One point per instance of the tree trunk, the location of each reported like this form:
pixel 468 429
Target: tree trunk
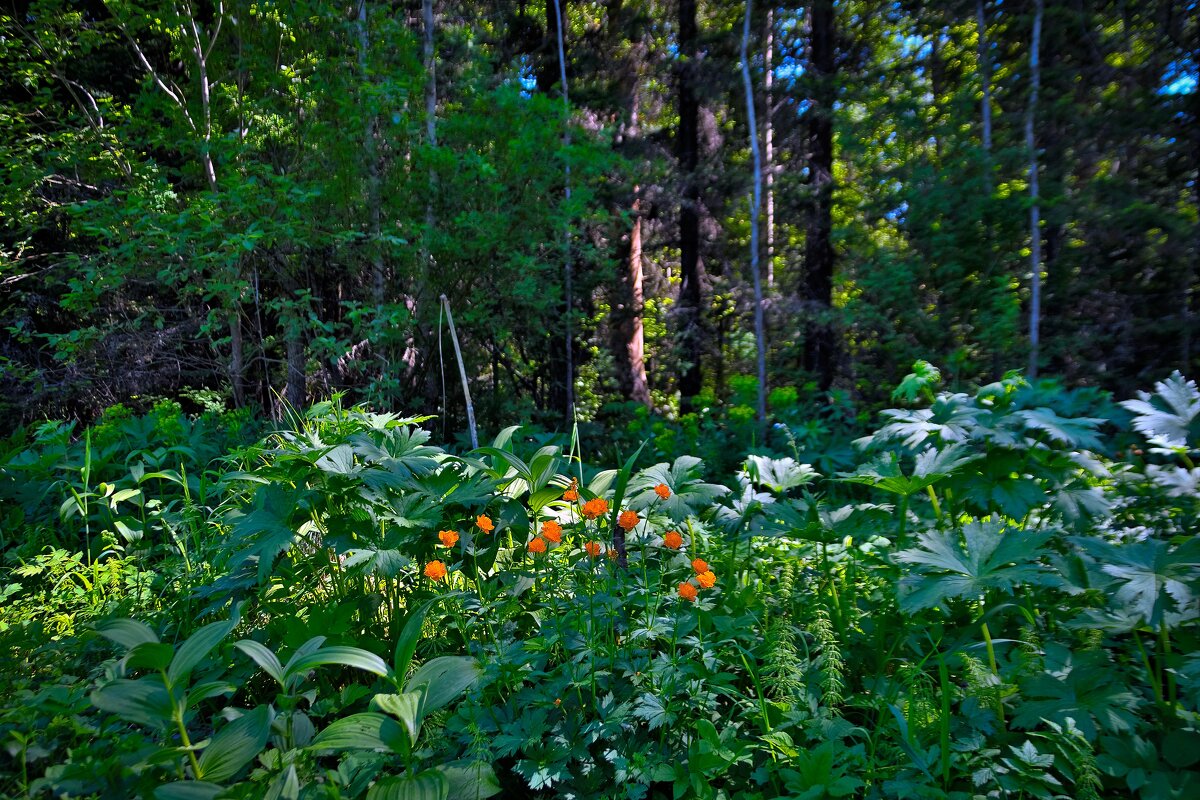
pixel 370 156
pixel 628 306
pixel 688 147
pixel 1035 234
pixel 237 363
pixel 769 140
pixel 568 289
pixel 295 390
pixel 818 247
pixel 756 204
pixel 985 77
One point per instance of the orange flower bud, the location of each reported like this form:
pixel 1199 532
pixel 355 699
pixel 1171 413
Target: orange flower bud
pixel 593 549
pixel 537 546
pixel 663 491
pixel 672 540
pixel 707 579
pixel 700 565
pixel 687 592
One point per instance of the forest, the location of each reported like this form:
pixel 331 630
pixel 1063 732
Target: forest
pixel 579 399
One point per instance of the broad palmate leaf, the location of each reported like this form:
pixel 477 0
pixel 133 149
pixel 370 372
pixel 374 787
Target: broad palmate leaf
pixel 987 556
pixel 1170 415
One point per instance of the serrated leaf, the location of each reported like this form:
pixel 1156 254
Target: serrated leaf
pixel 987 557
pixel 1171 414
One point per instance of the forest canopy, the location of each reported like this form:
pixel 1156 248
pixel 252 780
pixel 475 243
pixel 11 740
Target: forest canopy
pixel 260 203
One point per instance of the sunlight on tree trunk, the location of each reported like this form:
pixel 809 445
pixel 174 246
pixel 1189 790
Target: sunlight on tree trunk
pixel 755 205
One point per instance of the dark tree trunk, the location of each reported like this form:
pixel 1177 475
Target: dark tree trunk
pixel 688 147
pixel 820 344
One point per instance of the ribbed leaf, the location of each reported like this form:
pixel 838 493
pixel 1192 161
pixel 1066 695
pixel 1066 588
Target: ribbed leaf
pixel 427 785
pixel 188 790
pixel 196 648
pixel 445 678
pixel 127 632
pixel 262 656
pixel 346 656
pixel 236 745
pixel 368 731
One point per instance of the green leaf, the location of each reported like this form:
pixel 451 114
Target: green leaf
pixel 404 707
pixel 367 731
pixel 150 655
pixel 410 634
pixel 236 745
pixel 262 656
pixel 1073 432
pixel 779 474
pixel 922 380
pixel 127 632
pixel 444 679
pixel 987 557
pixel 196 648
pixel 1152 578
pixel 470 780
pixel 188 790
pixel 346 656
pixel 144 701
pixel 1171 415
pixel 428 785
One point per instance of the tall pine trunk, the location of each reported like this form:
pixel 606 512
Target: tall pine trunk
pixel 820 344
pixel 688 154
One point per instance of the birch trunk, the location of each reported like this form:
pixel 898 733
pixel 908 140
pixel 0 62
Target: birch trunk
pixel 1035 235
pixel 759 335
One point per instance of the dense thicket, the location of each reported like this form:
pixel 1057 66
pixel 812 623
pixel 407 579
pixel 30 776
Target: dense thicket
pixel 266 201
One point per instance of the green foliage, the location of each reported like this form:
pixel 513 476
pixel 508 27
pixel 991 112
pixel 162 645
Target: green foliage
pixel 766 639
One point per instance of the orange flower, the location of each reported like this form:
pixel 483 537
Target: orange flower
pixel 448 538
pixel 628 520
pixel 663 491
pixel 572 493
pixel 435 570
pixel 687 592
pixel 595 507
pixel 537 546
pixel 700 565
pixel 552 531
pixel 484 523
pixel 612 554
pixel 593 549
pixel 707 579
pixel 673 540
